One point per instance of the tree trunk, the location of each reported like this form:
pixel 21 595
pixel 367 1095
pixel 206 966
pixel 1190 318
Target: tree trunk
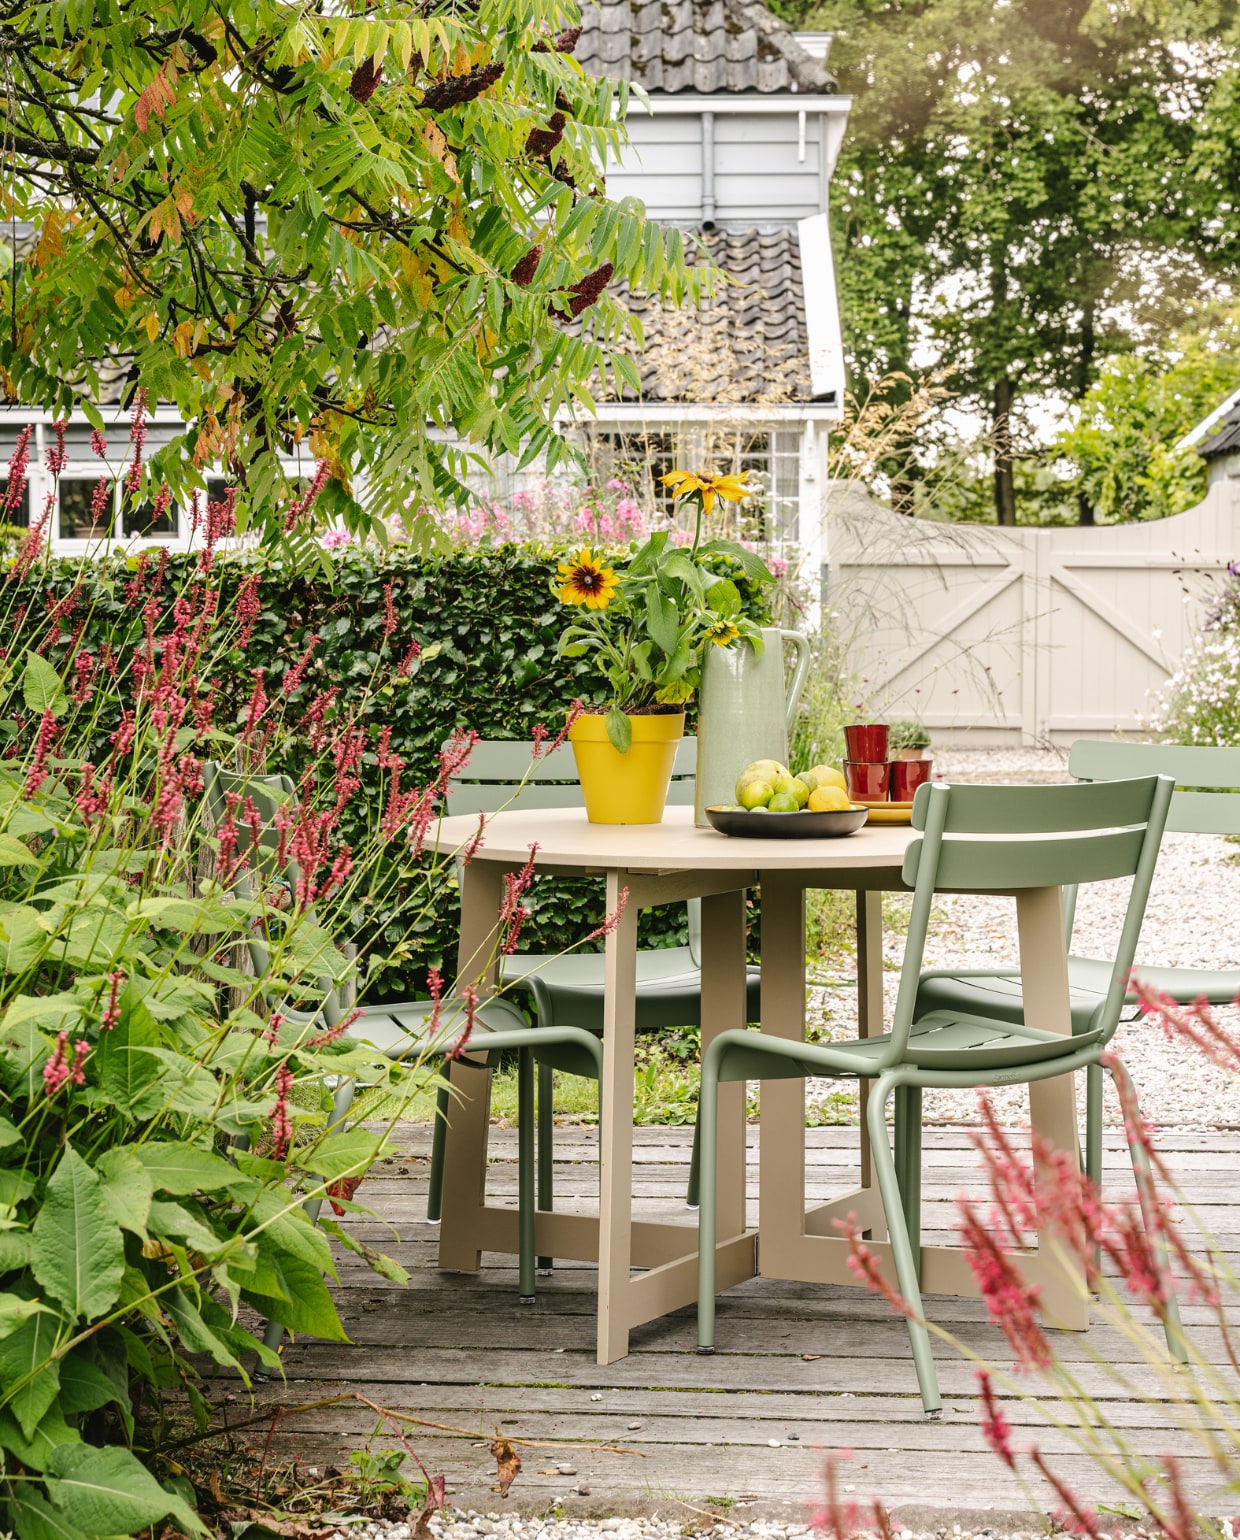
pixel 1084 379
pixel 1001 430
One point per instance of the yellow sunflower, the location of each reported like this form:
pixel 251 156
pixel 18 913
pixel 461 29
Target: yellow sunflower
pixel 723 633
pixel 585 580
pixel 730 488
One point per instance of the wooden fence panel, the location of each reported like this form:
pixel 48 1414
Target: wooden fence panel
pixel 1021 635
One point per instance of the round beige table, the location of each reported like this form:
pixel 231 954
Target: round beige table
pixel 659 864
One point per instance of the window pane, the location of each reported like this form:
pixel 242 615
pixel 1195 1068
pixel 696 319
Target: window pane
pixel 19 516
pixel 75 515
pixel 142 520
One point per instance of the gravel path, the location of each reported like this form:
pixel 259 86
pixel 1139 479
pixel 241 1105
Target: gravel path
pixel 1192 921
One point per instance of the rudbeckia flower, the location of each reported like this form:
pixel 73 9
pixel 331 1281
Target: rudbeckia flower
pixel 585 580
pixel 722 632
pixel 730 488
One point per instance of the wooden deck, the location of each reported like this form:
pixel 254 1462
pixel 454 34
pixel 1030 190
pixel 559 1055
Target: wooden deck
pixel 800 1369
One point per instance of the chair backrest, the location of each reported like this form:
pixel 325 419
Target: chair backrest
pixel 1004 838
pixel 1207 779
pixel 502 773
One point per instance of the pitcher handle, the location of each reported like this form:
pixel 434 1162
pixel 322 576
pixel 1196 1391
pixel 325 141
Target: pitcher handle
pixel 800 673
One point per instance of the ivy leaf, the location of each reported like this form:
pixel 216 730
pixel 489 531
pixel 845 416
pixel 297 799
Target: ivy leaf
pixel 79 1255
pixel 42 689
pixel 110 1492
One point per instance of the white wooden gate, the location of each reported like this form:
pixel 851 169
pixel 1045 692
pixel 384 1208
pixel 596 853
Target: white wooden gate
pixel 1021 635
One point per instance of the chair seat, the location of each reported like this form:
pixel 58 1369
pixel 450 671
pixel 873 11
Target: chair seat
pixel 941 1041
pixel 998 994
pixel 403 1030
pixel 669 987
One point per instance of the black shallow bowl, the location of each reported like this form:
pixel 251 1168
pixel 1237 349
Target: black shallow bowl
pixel 788 826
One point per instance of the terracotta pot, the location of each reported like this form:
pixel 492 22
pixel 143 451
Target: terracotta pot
pixel 911 754
pixel 906 776
pixel 867 743
pixel 629 787
pixel 867 781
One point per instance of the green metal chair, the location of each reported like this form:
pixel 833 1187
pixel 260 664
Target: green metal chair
pixel 973 839
pixel 1215 810
pixel 570 989
pixel 405 1031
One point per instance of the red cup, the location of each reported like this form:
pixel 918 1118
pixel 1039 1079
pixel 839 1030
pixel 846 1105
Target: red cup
pixel 867 781
pixel 867 744
pixel 906 776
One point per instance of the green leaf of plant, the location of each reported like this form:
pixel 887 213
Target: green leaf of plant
pixel 14 853
pixel 37 1450
pixel 109 1492
pixel 14 1310
pixel 9 1134
pixel 124 1072
pixel 183 1168
pixel 661 618
pixel 127 1188
pixel 347 1154
pixel 79 1254
pixel 29 1376
pixel 35 1519
pixel 84 1387
pixel 307 1305
pixel 22 938
pixel 725 599
pixel 619 729
pixel 42 689
pixel 193 1331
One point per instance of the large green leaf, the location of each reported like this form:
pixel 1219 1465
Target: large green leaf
pixel 184 1168
pixel 35 1519
pixel 124 1072
pixel 305 1304
pixel 29 1379
pixel 37 1450
pixel 196 1336
pixel 84 1387
pixel 662 619
pixel 79 1254
pixel 285 1226
pixel 127 1188
pixel 109 1492
pixel 14 1310
pixel 347 1154
pixel 42 689
pixel 22 938
pixel 14 853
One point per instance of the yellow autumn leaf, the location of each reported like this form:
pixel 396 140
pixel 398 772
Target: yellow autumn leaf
pixel 123 296
pixel 152 326
pixel 183 339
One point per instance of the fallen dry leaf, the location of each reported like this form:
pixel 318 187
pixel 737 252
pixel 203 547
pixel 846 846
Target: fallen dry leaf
pixel 507 1464
pixel 809 1358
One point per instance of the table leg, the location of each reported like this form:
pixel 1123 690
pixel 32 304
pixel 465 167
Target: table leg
pixel 723 1009
pixel 781 1179
pixel 869 1008
pixel 1052 1103
pixel 465 1150
pixel 616 1129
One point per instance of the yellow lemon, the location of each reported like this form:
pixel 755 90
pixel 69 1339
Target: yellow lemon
pixel 828 799
pixel 754 794
pixel 828 775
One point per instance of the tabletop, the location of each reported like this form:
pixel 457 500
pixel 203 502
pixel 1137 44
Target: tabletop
pixel 566 838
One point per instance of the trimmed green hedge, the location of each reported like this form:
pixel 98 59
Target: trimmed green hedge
pixel 496 622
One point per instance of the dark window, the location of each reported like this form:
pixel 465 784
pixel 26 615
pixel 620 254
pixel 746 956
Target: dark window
pixel 142 520
pixel 76 522
pixel 19 516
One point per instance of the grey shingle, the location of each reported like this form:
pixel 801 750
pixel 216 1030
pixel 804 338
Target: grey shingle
pixel 696 45
pixel 1226 441
pixel 747 344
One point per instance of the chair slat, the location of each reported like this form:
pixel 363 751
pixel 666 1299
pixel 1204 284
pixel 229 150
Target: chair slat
pixel 1188 764
pixel 1003 864
pixel 464 798
pixel 1042 809
pixel 1205 812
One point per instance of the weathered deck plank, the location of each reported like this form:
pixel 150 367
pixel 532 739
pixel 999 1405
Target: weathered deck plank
pixel 800 1368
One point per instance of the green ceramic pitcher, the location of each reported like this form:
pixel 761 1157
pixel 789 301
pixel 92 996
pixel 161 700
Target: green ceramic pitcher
pixel 745 712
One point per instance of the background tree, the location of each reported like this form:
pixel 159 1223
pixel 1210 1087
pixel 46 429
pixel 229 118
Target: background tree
pixel 1027 190
pixel 358 230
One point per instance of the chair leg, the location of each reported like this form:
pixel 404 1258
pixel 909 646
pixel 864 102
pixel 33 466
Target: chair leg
pixel 546 1150
pixel 525 1175
pixel 908 1162
pixel 708 1140
pixel 1142 1171
pixel 1093 1124
pixel 695 1165
pixel 901 1250
pixel 439 1143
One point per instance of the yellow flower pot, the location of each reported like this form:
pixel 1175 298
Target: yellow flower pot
pixel 629 787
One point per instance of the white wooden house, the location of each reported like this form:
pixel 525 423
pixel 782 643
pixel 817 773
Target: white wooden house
pixel 1216 439
pixel 733 137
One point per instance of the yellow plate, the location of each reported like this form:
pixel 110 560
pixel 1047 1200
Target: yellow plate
pixel 890 812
